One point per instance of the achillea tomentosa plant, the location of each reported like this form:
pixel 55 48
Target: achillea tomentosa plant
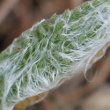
pixel 52 50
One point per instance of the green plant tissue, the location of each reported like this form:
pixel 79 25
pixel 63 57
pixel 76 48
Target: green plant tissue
pixel 52 50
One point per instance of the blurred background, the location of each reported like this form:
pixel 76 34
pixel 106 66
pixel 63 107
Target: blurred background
pixel 76 94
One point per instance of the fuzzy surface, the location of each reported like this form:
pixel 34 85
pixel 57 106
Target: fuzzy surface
pixel 54 49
